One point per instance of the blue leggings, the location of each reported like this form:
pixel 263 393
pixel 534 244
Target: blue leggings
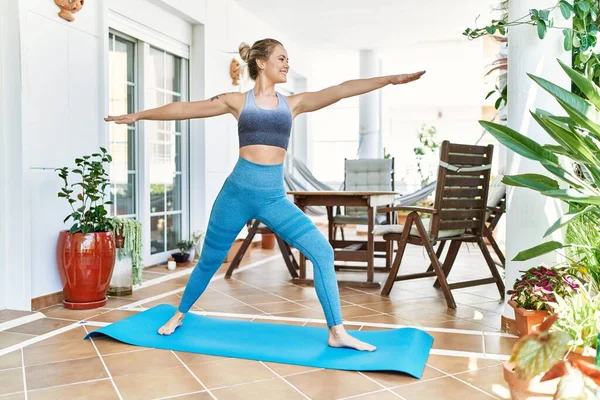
pixel 255 191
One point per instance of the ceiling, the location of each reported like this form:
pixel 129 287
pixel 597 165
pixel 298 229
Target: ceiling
pixel 377 24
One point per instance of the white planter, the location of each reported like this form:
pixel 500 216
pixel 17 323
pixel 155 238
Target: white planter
pixel 122 277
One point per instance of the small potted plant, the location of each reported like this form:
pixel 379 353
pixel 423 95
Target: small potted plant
pixel 579 317
pixel 538 369
pixel 184 247
pixel 128 266
pixel 85 253
pixel 533 291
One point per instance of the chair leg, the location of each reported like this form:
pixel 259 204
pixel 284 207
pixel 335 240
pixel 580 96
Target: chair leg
pixel 335 231
pixel 342 232
pixel 387 288
pixel 438 254
pixel 389 251
pixel 449 261
pixel 489 235
pixel 492 266
pixel 238 256
pixel 287 256
pixel 436 264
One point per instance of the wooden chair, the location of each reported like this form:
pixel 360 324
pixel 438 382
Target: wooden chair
pixel 458 215
pixel 254 227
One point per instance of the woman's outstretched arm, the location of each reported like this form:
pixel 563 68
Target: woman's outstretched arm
pixel 217 105
pixel 312 101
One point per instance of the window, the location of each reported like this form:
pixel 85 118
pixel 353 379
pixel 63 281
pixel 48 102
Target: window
pixel 149 168
pixel 122 95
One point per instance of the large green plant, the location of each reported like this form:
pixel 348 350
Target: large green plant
pixel 581 38
pixel 87 197
pixel 577 136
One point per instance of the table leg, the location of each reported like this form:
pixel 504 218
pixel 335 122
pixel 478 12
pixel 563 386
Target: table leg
pixel 370 244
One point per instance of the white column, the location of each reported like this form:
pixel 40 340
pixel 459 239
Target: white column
pixel 369 107
pixel 529 214
pixel 15 217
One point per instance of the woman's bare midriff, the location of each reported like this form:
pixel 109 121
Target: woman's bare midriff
pixel 263 154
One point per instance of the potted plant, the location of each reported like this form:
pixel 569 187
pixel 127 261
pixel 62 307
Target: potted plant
pixel 128 266
pixel 86 252
pixel 184 247
pixel 534 290
pixel 538 369
pixel 579 317
pixel 198 239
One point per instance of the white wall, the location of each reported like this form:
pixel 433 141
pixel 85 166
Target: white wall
pixel 54 97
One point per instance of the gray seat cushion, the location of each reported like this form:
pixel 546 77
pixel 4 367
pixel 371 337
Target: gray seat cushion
pixel 383 229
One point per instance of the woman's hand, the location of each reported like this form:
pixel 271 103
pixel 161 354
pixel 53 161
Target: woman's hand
pixel 123 119
pixel 405 78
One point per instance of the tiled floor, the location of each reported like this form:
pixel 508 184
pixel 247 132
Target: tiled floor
pixel 47 358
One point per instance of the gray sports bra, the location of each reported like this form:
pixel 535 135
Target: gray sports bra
pixel 265 126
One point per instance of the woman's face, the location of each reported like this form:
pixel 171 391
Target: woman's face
pixel 277 66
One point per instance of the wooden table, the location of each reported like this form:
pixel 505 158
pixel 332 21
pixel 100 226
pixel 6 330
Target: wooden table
pixel 347 250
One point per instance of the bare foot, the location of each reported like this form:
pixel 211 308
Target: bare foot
pixel 338 337
pixel 175 322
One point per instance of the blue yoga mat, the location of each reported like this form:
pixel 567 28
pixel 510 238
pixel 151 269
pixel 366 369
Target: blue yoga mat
pixel 403 350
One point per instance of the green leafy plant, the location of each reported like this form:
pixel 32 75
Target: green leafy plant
pixel 185 245
pixel 583 232
pixel 538 287
pixel 428 144
pixel 577 136
pixel 581 38
pixel 544 352
pixel 579 316
pixel 88 201
pixel 131 230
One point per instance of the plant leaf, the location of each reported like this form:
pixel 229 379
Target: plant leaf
pixel 572 195
pixel 539 354
pixel 532 181
pixel 539 250
pixel 591 91
pixel 566 218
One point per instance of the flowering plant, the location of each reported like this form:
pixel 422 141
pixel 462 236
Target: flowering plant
pixel 538 286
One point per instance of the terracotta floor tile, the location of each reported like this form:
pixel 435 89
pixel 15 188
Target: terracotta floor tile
pixel 499 344
pixel 15 396
pixel 332 384
pixel 8 339
pixel 40 326
pixel 115 302
pixel 11 360
pixel 259 298
pixel 106 346
pixel 61 351
pixel 76 334
pixel 356 312
pixel 423 317
pixel 461 324
pixel 274 308
pixel 379 395
pixel 63 373
pixel 73 315
pixel 100 390
pixel 8 315
pixel 163 383
pixel 386 319
pixel 114 316
pixel 204 395
pixel 361 299
pixel 240 309
pixel 230 372
pixel 489 379
pixel 289 369
pixel 315 314
pixel 393 379
pixel 457 341
pixel 455 365
pixel 196 358
pixel 272 389
pixel 173 300
pixel 140 362
pixel 11 381
pixel 443 388
pixel 274 321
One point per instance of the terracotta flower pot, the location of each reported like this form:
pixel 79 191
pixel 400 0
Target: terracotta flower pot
pixel 86 265
pixel 521 389
pixel 268 241
pixel 527 320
